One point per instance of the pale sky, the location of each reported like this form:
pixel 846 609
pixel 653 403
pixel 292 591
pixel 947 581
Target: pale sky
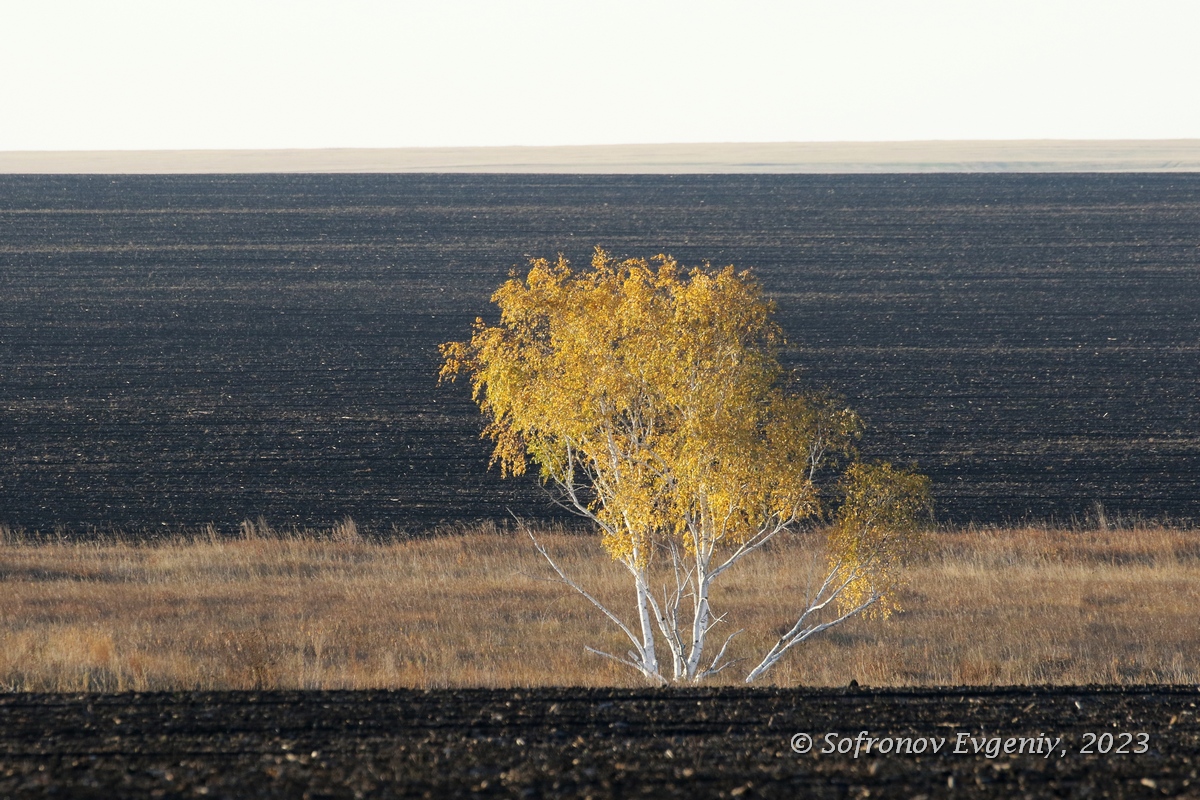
pixel 175 74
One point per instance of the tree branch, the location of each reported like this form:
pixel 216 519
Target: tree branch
pixel 565 579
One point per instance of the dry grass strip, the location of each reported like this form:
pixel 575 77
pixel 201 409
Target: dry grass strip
pixel 474 607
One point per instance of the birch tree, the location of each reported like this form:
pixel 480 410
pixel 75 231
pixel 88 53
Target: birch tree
pixel 651 400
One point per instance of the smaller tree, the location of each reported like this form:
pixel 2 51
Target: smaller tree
pixel 652 399
pixel 872 536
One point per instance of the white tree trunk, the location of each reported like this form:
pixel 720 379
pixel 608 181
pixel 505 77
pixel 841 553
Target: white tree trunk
pixel 701 614
pixel 648 654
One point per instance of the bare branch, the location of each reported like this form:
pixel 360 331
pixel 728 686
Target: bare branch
pixel 781 647
pixel 716 665
pixel 565 579
pixel 630 663
pixel 749 546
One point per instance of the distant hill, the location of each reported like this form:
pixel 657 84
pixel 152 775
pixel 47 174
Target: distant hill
pixel 1167 155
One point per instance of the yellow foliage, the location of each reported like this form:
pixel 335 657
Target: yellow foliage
pixel 651 395
pixel 875 531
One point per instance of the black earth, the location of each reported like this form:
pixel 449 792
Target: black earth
pixel 606 743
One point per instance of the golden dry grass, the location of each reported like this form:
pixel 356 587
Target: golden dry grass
pixel 475 608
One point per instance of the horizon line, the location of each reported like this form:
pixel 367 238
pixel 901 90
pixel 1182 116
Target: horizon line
pixel 825 157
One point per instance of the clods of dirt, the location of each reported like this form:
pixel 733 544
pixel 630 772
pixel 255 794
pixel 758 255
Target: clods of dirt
pixel 861 742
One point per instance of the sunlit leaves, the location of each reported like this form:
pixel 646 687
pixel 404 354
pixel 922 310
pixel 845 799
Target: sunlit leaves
pixel 651 395
pixel 876 530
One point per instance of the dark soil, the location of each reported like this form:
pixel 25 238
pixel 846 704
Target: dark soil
pixel 179 350
pixel 598 743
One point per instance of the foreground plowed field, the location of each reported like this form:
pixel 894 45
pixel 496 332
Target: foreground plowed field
pixel 179 350
pixel 604 743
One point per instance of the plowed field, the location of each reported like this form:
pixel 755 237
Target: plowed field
pixel 179 350
pixel 1066 742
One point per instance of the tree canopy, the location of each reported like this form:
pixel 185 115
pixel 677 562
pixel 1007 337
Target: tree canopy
pixel 652 398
